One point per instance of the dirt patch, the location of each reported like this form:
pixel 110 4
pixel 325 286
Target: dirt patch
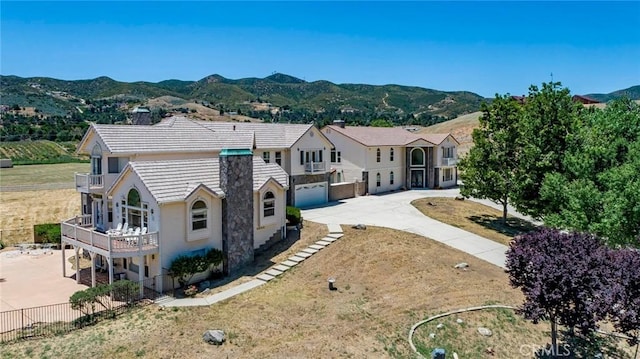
pixel 473 217
pixel 387 280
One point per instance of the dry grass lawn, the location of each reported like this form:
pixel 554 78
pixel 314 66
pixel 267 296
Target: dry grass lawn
pixel 387 280
pixel 19 211
pixel 41 174
pixel 473 217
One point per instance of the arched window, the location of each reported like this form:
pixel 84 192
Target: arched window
pixel 269 204
pixel 378 180
pixel 417 157
pixel 96 160
pixel 391 154
pixel 198 215
pixel 133 198
pixel 378 155
pixel 391 177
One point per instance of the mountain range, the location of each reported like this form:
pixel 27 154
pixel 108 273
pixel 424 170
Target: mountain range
pixel 254 97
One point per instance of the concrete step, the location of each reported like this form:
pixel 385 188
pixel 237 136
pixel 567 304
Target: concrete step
pixel 297 259
pixel 273 272
pixel 265 277
pixel 282 268
pixel 323 243
pixel 289 263
pixel 335 235
pixel 310 250
pixel 316 246
pixel 334 228
pixel 303 254
pixel 329 239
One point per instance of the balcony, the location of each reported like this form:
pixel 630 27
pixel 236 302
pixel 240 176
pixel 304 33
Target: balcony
pixel 314 167
pixel 88 183
pixel 79 231
pixel 448 162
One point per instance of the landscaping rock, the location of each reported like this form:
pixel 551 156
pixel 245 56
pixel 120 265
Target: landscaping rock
pixel 430 203
pixel 359 226
pixel 459 198
pixel 485 331
pixel 432 335
pixel 459 321
pixel 461 265
pixel 440 326
pixel 214 337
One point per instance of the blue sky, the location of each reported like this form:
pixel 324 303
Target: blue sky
pixel 484 47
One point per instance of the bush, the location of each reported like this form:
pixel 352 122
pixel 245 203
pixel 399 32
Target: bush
pixel 293 216
pixel 47 233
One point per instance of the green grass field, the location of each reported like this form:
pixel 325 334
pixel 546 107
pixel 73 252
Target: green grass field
pixel 41 174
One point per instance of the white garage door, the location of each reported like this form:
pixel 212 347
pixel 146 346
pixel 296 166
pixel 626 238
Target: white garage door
pixel 311 194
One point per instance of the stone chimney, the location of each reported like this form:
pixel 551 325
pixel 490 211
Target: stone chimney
pixel 141 116
pixel 236 180
pixel 339 123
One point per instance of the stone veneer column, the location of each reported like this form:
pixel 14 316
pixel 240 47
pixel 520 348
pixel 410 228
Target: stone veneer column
pixel 236 180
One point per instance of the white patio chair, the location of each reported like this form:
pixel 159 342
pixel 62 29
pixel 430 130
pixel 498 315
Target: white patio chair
pixel 136 231
pixel 125 227
pixel 144 230
pixel 115 230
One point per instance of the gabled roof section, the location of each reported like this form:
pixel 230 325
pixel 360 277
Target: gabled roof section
pixel 174 135
pixel 438 138
pixel 175 180
pixel 263 172
pixel 378 136
pixel 267 135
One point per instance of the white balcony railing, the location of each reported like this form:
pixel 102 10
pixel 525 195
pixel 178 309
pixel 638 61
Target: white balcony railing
pixel 79 231
pixel 314 167
pixel 86 182
pixel 448 161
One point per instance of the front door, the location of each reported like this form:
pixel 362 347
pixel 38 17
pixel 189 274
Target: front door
pixel 417 178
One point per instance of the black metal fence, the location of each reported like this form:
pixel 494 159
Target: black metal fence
pixel 61 318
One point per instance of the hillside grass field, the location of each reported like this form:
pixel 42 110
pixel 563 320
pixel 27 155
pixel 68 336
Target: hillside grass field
pixel 460 127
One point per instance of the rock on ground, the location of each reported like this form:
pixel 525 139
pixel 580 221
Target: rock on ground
pixel 213 337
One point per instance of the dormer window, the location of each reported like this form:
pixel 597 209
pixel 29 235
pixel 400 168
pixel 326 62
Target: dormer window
pixel 198 215
pixel 269 204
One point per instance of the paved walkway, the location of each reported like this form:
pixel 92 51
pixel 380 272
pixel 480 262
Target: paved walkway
pixel 394 210
pixel 335 232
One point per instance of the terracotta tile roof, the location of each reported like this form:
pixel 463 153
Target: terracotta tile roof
pixel 386 136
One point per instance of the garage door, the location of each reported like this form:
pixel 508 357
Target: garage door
pixel 311 194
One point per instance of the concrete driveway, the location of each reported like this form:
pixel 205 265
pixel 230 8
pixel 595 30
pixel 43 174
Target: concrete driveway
pixel 394 210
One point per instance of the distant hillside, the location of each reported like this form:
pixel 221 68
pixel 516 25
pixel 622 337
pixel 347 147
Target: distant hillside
pixel 632 92
pixel 460 127
pixel 277 97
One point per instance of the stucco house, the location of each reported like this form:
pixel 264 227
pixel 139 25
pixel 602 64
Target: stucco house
pixel 391 158
pixel 187 188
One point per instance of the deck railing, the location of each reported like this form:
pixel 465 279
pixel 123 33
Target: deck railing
pixel 86 182
pixel 80 229
pixel 448 162
pixel 314 167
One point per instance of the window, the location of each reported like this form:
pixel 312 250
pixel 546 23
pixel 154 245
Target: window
pixel 391 177
pixel 301 158
pixel 447 152
pixel 448 174
pixel 279 158
pixel 378 155
pixel 266 156
pixel 113 165
pixel 417 157
pixel 96 160
pixel 198 216
pixel 378 180
pixel 110 211
pixel 269 204
pixel 391 155
pixel 336 156
pixel 133 198
pixel 339 177
pixel 314 156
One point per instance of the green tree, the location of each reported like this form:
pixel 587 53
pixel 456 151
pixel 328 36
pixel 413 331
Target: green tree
pixel 184 267
pixel 549 119
pixel 490 168
pixel 381 123
pixel 599 189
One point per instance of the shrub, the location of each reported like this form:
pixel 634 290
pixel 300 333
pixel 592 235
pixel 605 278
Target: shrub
pixel 191 291
pixel 293 215
pixel 185 267
pixel 47 233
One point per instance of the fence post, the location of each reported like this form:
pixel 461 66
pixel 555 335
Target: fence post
pixel 22 322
